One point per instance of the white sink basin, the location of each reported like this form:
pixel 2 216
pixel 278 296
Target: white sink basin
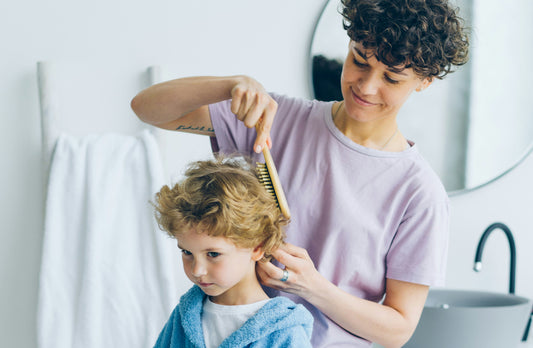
pixel 471 319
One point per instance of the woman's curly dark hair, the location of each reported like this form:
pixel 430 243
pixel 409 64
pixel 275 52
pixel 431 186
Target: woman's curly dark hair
pixel 426 35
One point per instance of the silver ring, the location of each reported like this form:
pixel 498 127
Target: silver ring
pixel 285 275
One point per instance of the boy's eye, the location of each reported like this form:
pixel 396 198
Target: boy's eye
pixel 186 252
pixel 213 254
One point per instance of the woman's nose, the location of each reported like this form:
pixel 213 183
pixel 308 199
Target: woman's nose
pixel 368 83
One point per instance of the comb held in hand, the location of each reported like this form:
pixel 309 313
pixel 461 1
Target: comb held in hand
pixel 269 178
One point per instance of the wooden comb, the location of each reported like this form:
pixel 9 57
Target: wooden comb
pixel 268 176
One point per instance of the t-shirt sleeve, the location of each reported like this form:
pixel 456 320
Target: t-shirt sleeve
pixel 231 136
pixel 419 250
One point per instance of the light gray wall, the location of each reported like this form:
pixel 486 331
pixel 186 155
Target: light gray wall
pixel 101 50
pixel 500 120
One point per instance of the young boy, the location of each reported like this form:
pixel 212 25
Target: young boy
pixel 224 222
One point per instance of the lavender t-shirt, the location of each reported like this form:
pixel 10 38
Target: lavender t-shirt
pixel 362 214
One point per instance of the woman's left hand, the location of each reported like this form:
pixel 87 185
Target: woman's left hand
pixel 303 277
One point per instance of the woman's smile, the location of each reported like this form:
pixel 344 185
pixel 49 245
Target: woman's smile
pixel 360 100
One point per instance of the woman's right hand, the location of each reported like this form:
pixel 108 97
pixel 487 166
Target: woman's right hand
pixel 255 108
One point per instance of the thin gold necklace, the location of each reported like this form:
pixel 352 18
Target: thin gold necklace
pixel 386 143
pixel 337 111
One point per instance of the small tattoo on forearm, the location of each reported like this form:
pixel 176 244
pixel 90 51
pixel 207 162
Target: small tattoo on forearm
pixel 195 129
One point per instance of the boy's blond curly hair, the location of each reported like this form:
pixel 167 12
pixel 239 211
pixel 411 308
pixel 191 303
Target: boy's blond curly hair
pixel 222 198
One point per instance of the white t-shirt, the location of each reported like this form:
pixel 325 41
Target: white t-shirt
pixel 220 321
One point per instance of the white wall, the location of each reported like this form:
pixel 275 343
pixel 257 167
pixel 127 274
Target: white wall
pixel 101 50
pixel 501 58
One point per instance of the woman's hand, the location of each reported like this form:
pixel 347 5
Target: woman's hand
pixel 390 324
pixel 255 108
pixel 303 277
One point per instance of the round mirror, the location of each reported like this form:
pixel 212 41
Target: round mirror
pixel 474 125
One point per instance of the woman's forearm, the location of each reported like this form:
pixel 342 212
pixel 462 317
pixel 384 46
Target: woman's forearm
pixel 168 101
pixel 390 324
pixel 381 323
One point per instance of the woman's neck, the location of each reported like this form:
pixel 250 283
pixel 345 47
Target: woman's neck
pixel 380 134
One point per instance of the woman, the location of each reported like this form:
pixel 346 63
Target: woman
pixel 369 226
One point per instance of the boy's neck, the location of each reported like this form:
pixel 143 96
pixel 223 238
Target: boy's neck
pixel 241 294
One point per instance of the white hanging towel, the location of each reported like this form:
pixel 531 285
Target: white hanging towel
pixel 108 274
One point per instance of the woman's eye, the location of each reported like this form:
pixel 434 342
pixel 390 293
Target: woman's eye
pixel 359 64
pixel 213 254
pixel 389 80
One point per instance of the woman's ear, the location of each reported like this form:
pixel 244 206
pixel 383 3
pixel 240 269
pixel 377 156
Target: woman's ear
pixel 424 84
pixel 258 253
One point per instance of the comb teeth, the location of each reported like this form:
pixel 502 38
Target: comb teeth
pixel 264 178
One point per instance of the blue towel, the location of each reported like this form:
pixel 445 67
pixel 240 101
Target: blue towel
pixel 279 323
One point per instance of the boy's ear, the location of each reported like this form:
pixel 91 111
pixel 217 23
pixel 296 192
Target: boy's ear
pixel 258 253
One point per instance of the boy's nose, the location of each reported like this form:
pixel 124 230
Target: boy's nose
pixel 198 269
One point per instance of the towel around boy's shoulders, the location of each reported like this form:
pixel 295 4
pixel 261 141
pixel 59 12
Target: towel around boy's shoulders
pixel 279 323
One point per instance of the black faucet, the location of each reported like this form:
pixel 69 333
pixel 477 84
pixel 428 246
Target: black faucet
pixel 481 244
pixel 512 272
